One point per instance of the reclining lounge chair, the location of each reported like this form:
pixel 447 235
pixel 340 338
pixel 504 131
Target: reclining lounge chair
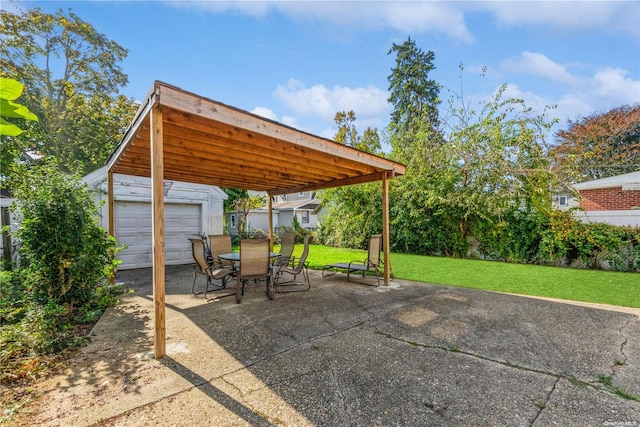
pixel 372 263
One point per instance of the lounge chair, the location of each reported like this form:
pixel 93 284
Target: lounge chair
pixel 287 272
pixel 373 262
pixel 254 265
pixel 202 267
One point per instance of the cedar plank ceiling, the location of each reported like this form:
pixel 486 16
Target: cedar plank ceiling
pixel 207 142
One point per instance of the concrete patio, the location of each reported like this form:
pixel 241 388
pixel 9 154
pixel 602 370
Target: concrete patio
pixel 348 354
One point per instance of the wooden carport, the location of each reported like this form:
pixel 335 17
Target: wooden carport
pixel 178 135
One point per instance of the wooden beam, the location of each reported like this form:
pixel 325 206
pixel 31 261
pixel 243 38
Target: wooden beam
pixel 329 184
pixel 140 118
pixel 157 203
pixel 385 229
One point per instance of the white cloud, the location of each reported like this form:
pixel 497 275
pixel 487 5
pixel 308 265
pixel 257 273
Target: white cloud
pixel 605 89
pixel 448 18
pixel 605 16
pixel 540 65
pixel 613 84
pixel 410 17
pixel 367 102
pixel 575 95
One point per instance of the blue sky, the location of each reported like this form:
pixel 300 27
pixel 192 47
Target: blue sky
pixel 299 62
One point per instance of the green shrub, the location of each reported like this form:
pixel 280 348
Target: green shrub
pixel 516 238
pixel 64 258
pixel 568 239
pixel 30 332
pixel 65 251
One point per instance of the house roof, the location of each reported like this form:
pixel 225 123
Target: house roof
pixel 294 204
pixel 628 179
pixel 207 142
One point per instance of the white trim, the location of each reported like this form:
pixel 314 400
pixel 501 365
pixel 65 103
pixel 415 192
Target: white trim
pixel 610 182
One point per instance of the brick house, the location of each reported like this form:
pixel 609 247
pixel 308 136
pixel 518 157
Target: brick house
pixel 615 200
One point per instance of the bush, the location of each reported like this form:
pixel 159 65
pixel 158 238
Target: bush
pixel 568 240
pixel 516 238
pixel 65 251
pixel 46 303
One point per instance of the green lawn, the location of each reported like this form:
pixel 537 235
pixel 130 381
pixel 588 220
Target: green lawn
pixel 604 287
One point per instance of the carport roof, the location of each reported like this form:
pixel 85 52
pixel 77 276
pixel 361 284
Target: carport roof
pixel 207 142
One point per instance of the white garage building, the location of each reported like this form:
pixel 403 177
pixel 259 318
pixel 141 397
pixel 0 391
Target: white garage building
pixel 190 209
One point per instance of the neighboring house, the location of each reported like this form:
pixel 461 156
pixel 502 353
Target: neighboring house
pixel 189 209
pixel 614 200
pixel 564 200
pixel 302 205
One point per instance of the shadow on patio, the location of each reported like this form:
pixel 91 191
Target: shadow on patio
pixel 350 354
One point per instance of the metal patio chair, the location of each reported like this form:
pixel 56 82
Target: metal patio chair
pixel 288 242
pixel 221 244
pixel 202 267
pixel 254 265
pixel 301 268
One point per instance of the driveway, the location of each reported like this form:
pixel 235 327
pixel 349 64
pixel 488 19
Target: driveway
pixel 349 354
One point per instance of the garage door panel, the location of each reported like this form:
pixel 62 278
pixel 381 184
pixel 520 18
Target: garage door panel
pixel 134 228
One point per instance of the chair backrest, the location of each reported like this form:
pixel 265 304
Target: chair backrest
pixel 254 258
pixel 287 244
pixel 220 244
pixel 375 247
pixel 199 253
pixel 305 253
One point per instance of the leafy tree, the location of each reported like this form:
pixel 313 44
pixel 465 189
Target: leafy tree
pixel 494 162
pixel 353 212
pixel 71 75
pixel 10 90
pixel 243 206
pixel 348 135
pixel 232 195
pixel 413 95
pixel 601 145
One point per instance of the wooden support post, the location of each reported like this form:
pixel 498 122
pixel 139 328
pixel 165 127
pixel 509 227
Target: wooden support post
pixel 385 229
pixel 111 209
pixel 270 204
pixel 157 202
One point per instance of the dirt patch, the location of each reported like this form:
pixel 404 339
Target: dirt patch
pixel 113 362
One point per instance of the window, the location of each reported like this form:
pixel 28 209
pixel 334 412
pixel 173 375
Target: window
pixel 301 194
pixel 562 201
pixel 284 197
pixel 232 220
pixel 305 217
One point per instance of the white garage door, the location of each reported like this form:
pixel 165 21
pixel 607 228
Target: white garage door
pixel 133 228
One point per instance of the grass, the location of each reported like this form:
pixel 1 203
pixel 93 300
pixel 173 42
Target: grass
pixel 603 287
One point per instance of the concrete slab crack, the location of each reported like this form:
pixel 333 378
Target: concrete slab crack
pixel 623 359
pixel 596 384
pixel 336 379
pixel 542 405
